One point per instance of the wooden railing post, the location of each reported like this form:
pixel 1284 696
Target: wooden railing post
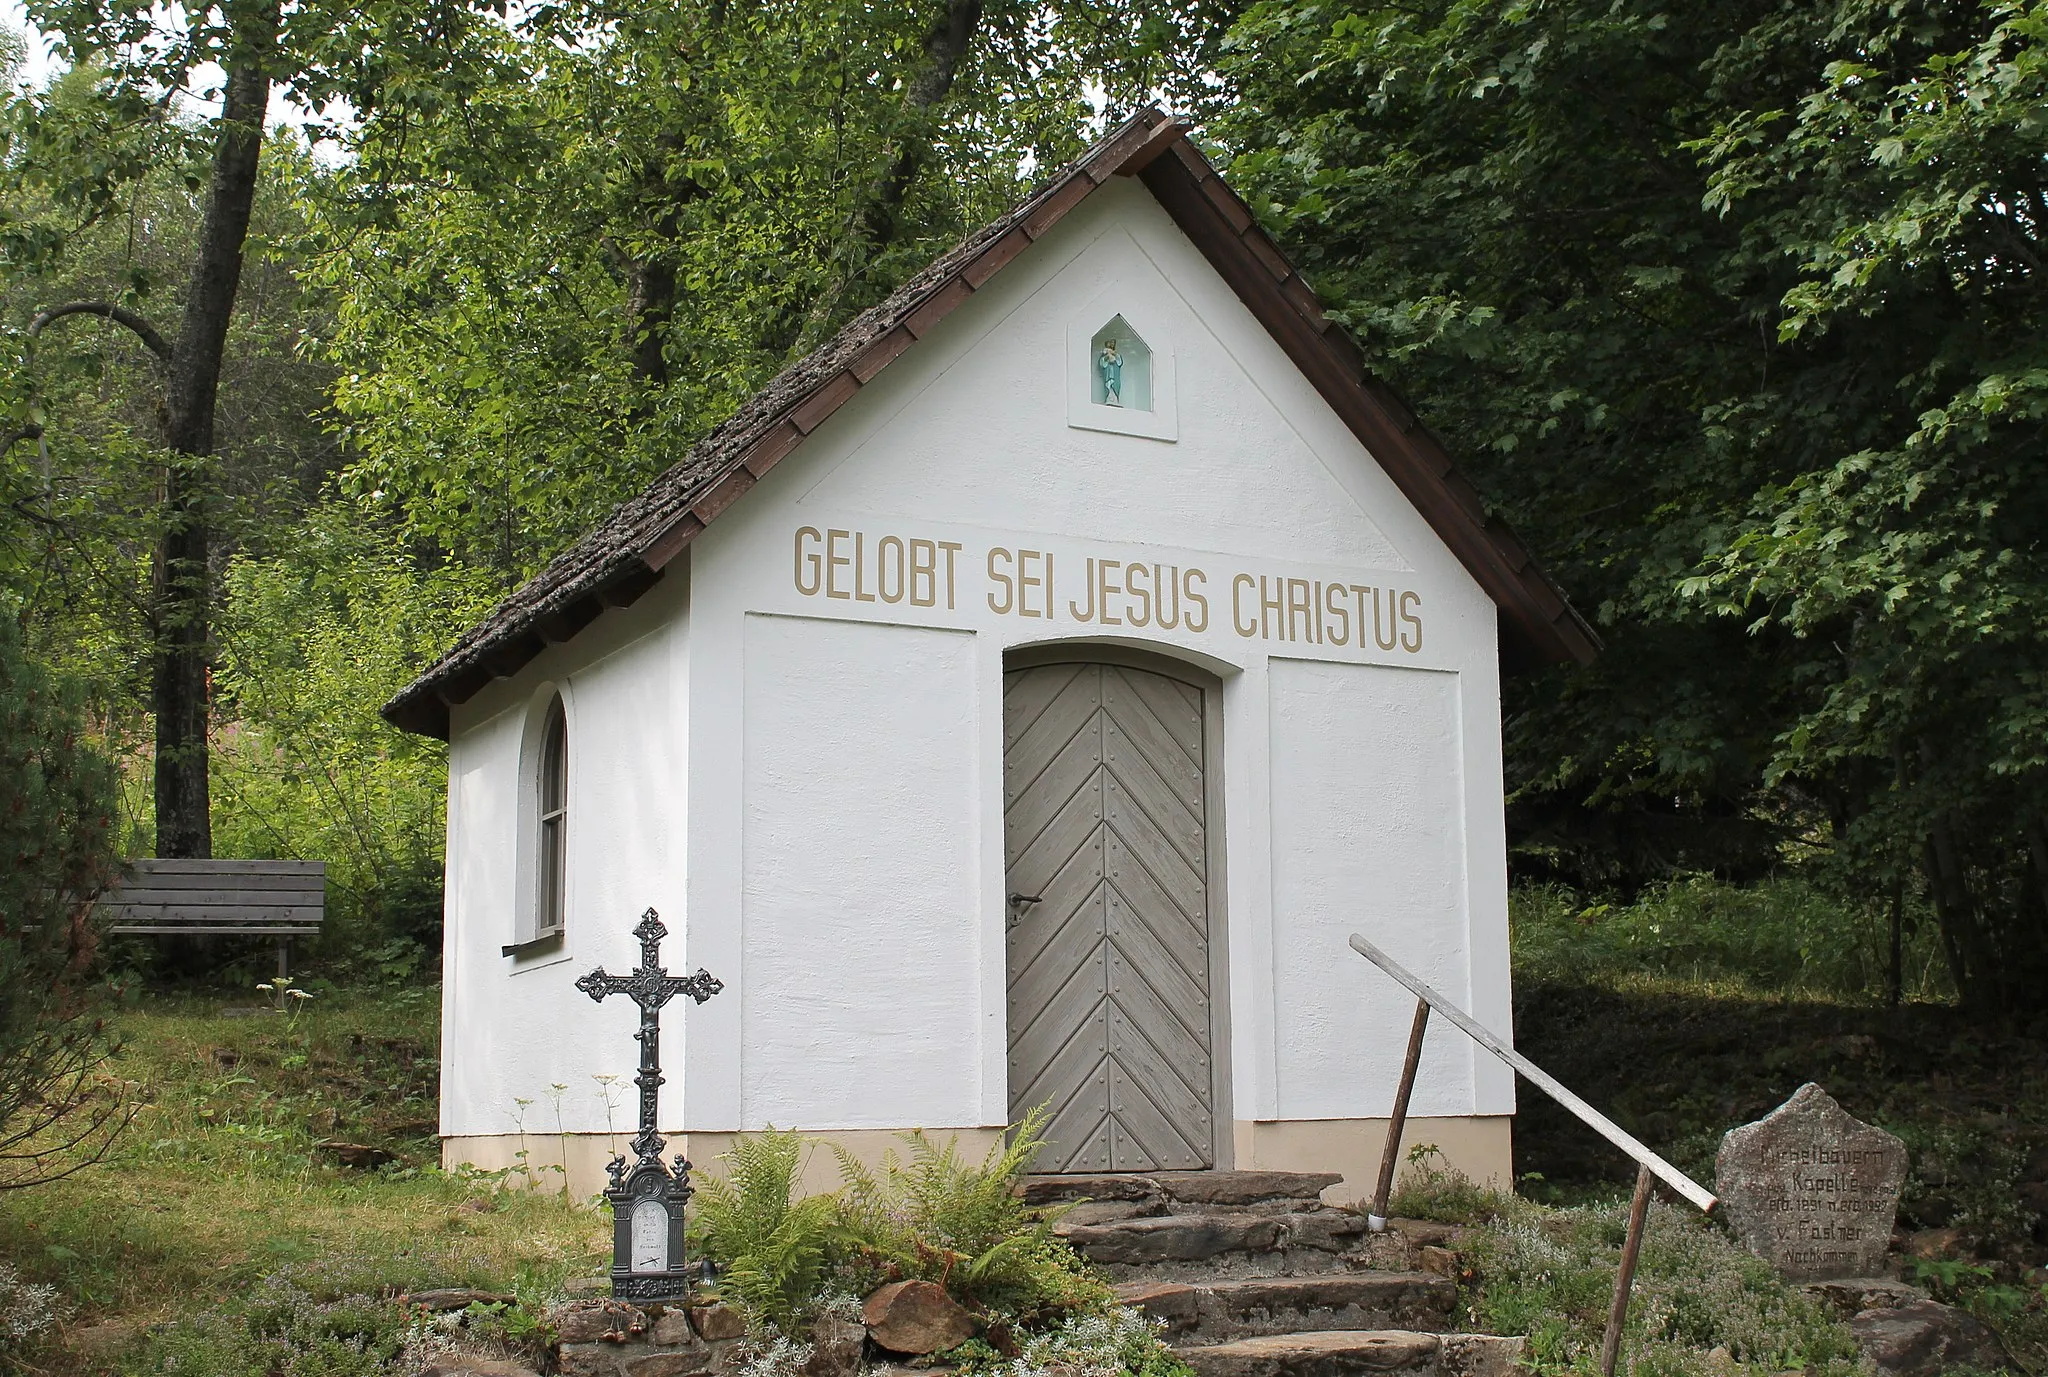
pixel 1390 1157
pixel 1671 1176
pixel 1625 1276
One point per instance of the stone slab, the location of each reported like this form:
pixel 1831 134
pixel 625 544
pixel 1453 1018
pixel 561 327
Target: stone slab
pixel 1481 1355
pixel 1245 1187
pixel 1175 1238
pixel 1812 1190
pixel 1926 1339
pixel 475 1366
pixel 1848 1296
pixel 1334 1353
pixel 1220 1311
pixel 1219 1188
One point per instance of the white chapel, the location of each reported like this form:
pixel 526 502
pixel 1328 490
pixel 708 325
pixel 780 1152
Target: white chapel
pixel 1015 704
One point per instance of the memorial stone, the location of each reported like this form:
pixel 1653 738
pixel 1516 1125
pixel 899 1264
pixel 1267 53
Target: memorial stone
pixel 1812 1190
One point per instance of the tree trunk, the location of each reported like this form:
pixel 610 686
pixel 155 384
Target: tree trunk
pixel 650 306
pixel 1955 910
pixel 180 576
pixel 1895 963
pixel 878 219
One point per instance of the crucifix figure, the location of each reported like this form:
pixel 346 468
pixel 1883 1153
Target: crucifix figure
pixel 647 1202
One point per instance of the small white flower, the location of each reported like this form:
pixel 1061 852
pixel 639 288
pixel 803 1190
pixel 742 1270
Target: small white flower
pixel 300 994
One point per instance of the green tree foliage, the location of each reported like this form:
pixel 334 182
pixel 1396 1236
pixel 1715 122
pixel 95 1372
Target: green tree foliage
pixel 552 282
pixel 79 503
pixel 56 855
pixel 313 638
pixel 1734 310
pixel 137 65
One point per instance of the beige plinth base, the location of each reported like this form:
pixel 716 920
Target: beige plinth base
pixel 1481 1147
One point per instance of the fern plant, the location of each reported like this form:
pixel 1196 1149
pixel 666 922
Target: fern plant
pixel 937 1217
pixel 772 1245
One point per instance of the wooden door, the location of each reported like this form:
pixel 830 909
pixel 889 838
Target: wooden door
pixel 1106 838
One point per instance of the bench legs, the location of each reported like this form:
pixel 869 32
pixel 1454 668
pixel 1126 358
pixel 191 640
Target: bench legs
pixel 284 948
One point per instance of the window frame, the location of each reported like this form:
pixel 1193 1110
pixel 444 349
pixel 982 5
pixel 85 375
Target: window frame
pixel 549 918
pixel 540 900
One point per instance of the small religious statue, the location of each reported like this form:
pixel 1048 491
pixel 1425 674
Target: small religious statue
pixel 1110 364
pixel 647 1202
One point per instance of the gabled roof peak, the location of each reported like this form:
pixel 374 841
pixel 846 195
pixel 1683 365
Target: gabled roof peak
pixel 624 555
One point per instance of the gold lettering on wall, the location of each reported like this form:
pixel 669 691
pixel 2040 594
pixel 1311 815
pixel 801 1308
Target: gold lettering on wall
pixel 809 568
pixel 861 566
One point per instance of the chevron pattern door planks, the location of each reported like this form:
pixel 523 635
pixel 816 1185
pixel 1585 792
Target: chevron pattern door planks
pixel 1105 824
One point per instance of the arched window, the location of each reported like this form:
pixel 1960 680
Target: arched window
pixel 551 849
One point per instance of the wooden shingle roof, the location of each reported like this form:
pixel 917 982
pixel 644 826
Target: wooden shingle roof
pixel 624 555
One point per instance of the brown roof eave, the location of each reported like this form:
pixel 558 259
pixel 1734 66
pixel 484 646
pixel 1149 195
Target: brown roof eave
pixel 1222 227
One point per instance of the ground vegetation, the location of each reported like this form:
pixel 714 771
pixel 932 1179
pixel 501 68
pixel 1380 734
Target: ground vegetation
pixel 926 1214
pixel 1700 1304
pixel 1681 1020
pixel 219 1236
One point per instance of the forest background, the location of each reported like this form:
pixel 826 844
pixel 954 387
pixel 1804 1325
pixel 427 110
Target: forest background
pixel 1734 312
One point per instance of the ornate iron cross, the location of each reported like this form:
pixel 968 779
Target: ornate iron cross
pixel 650 987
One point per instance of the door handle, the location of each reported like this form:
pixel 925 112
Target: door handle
pixel 1020 902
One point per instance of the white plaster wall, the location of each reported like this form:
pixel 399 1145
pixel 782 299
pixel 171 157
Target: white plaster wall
pixel 1368 836
pixel 834 826
pixel 964 444
pixel 858 802
pixel 513 1030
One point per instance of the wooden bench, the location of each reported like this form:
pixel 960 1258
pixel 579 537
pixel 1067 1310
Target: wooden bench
pixel 280 899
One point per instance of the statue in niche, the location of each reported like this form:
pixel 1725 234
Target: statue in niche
pixel 1110 364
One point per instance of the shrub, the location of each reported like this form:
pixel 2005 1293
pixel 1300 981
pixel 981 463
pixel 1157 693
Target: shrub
pixel 1550 1275
pixel 57 853
pixel 280 1330
pixel 313 640
pixel 1432 1188
pixel 927 1215
pixel 27 1309
pixel 1104 1342
pixel 1781 936
pixel 935 1217
pixel 772 1245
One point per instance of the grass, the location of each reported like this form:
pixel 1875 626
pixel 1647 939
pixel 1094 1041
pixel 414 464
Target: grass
pixel 218 1229
pixel 1701 1306
pixel 219 1184
pixel 1701 1007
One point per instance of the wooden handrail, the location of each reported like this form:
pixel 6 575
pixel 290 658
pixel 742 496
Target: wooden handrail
pixel 1648 1163
pixel 1614 1133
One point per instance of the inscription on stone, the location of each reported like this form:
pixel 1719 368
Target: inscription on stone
pixel 1811 1190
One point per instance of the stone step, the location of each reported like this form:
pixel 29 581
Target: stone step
pixel 1216 1189
pixel 1198 1246
pixel 1356 1352
pixel 1218 1311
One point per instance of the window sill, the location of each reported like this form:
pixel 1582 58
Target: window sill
pixel 538 946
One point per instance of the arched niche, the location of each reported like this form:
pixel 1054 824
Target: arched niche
pixel 1120 367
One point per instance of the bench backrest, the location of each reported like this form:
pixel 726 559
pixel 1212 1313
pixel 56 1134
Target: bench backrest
pixel 273 898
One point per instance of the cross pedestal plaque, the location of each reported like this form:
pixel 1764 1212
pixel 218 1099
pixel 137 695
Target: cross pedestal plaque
pixel 647 1201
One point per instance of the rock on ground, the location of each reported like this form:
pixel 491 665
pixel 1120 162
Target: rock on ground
pixel 1925 1339
pixel 916 1317
pixel 836 1347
